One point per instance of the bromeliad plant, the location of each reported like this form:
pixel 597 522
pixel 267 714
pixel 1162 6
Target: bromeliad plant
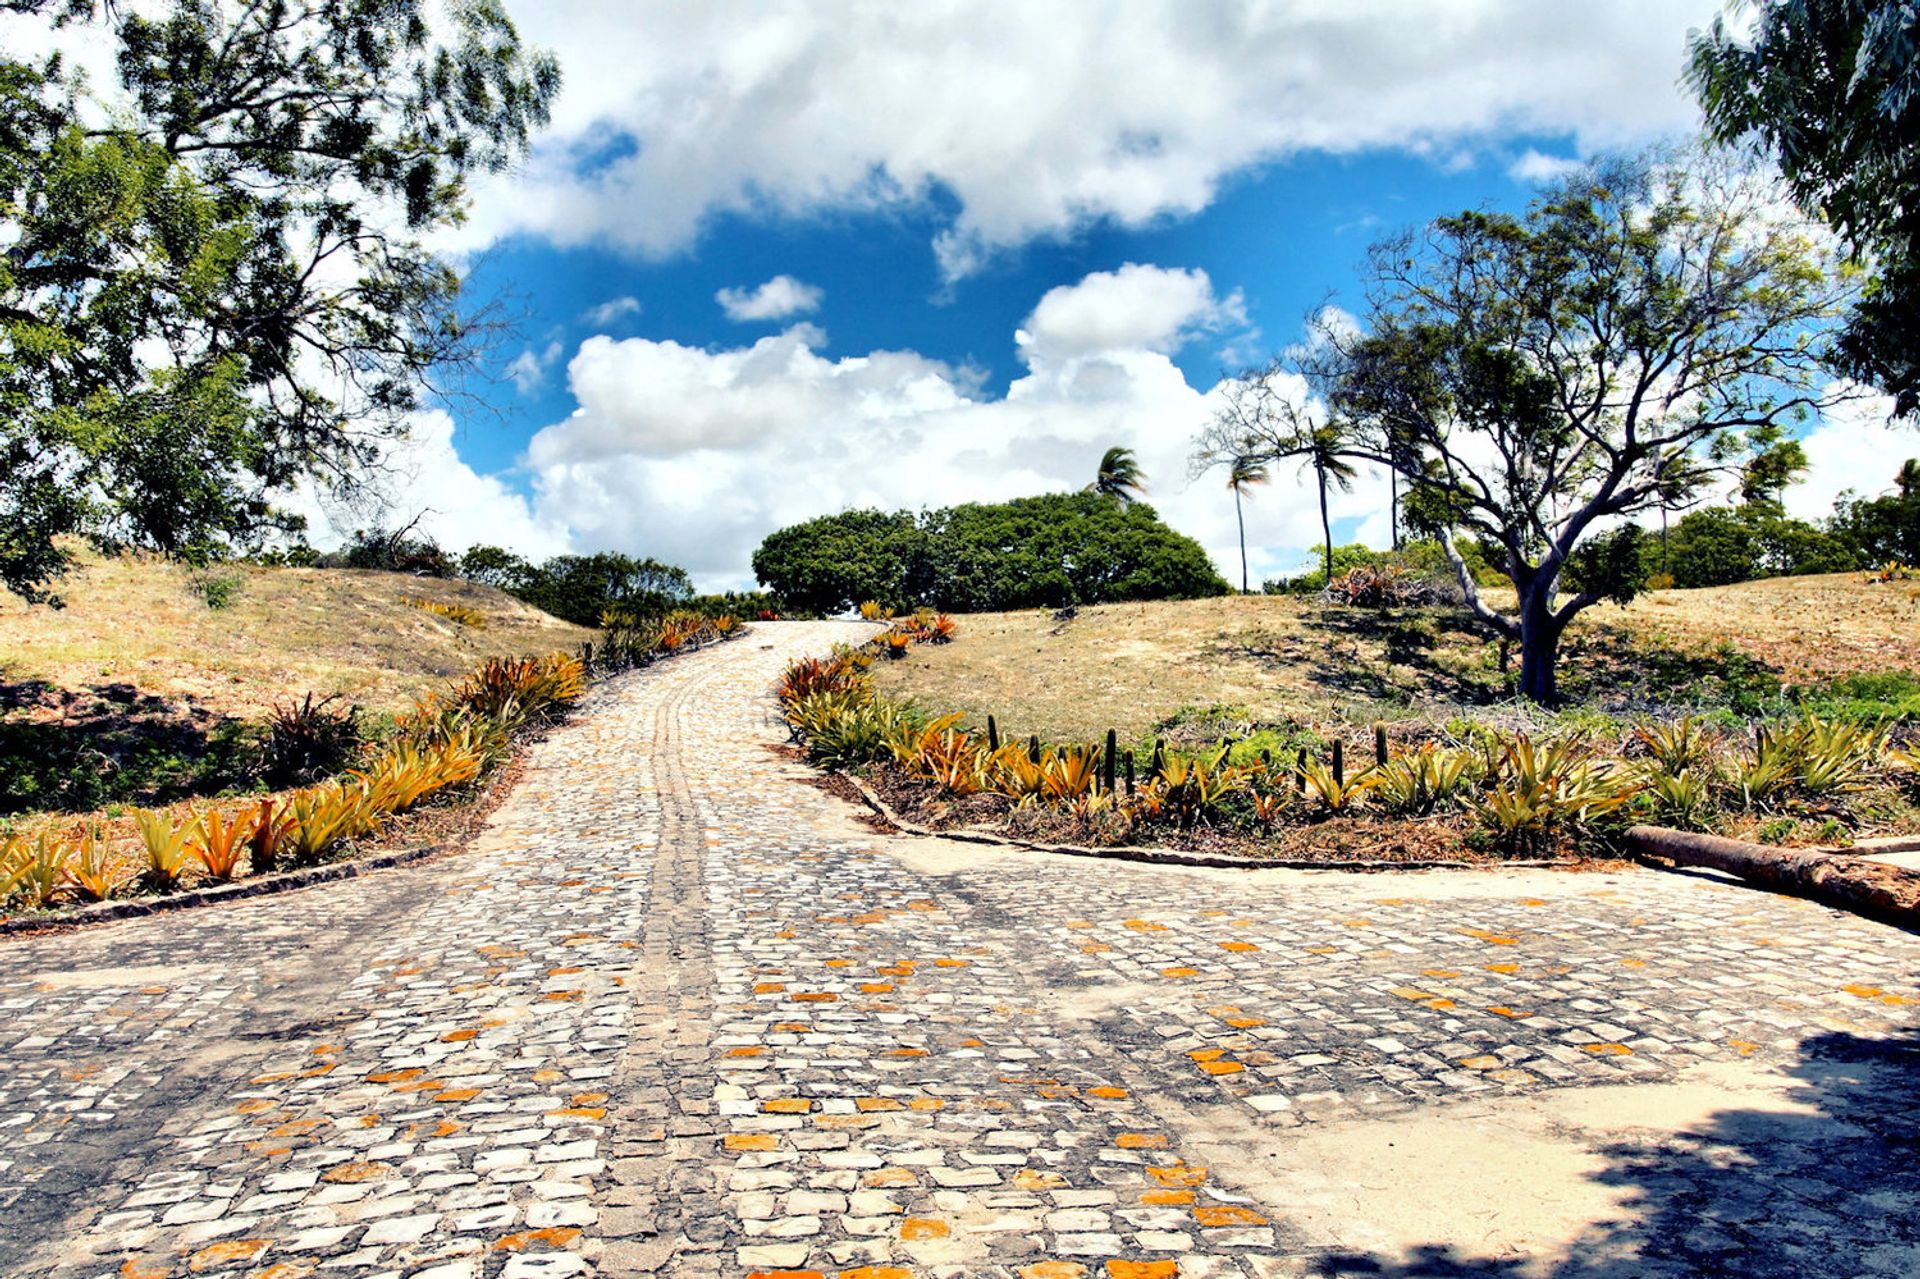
pixel 321 817
pixel 166 842
pixel 1418 783
pixel 1336 795
pixel 1540 791
pixel 32 871
pixel 219 841
pixel 91 869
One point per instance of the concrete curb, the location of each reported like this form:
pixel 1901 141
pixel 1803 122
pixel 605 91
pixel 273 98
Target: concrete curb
pixel 263 886
pixel 1173 856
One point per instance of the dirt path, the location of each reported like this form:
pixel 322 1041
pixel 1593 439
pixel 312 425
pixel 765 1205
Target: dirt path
pixel 678 1012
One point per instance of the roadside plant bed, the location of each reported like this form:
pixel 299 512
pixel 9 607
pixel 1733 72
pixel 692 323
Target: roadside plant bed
pixel 1484 796
pixel 1370 842
pixel 426 785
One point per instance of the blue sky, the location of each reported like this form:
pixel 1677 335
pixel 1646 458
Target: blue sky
pixel 1005 236
pixel 1286 235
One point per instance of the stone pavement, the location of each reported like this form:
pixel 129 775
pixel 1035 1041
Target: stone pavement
pixel 677 1012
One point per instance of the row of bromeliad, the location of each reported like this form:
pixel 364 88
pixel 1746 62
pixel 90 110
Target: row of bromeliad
pixel 448 742
pixel 1520 794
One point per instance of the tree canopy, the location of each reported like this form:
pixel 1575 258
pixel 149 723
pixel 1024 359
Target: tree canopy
pixel 582 588
pixel 1537 379
pixel 1831 89
pixel 212 274
pixel 1033 552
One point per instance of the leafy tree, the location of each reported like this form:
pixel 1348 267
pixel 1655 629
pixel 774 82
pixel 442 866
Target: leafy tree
pixel 1774 464
pixel 1884 528
pixel 1119 477
pixel 1057 549
pixel 399 550
pixel 214 280
pixel 1242 474
pixel 1720 545
pixel 1536 378
pixel 1034 552
pixel 1831 89
pixel 831 564
pixel 581 588
pixel 496 567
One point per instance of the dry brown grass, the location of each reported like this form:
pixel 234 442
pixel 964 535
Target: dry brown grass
pixel 1807 627
pixel 1130 666
pixel 135 620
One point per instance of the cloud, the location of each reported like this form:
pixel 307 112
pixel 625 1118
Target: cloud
pixel 1146 308
pixel 609 311
pixel 528 370
pixel 778 298
pixel 1029 121
pixel 1854 447
pixel 1539 168
pixel 696 455
pixel 423 474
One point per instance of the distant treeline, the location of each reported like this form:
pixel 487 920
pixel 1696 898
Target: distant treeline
pixel 1710 546
pixel 581 589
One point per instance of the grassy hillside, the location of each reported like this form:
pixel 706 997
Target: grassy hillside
pixel 1132 666
pixel 285 632
pixel 139 691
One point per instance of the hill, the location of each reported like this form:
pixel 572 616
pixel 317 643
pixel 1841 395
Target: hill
pixel 137 621
pixel 1134 666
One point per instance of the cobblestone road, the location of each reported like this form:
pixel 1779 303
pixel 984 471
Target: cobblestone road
pixel 677 1013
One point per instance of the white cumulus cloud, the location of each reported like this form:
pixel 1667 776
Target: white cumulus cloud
pixel 1137 307
pixel 696 455
pixel 778 298
pixel 1039 119
pixel 423 475
pixel 1853 447
pixel 528 370
pixel 611 310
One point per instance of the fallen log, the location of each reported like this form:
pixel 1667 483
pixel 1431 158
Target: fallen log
pixel 1874 889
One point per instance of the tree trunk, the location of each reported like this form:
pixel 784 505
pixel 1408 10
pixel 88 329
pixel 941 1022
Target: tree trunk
pixel 1393 505
pixel 1539 647
pixel 1842 881
pixel 1242 520
pixel 1326 525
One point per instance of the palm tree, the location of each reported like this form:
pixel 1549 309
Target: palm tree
pixel 1120 476
pixel 1322 446
pixel 1244 472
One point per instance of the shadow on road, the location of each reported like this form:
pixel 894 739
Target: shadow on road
pixel 1827 1190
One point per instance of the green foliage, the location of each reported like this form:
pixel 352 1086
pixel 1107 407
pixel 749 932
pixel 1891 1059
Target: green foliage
pixel 1610 565
pixel 118 754
pixel 172 355
pixel 580 588
pixel 1416 783
pixel 1884 528
pixel 1055 550
pixel 493 566
pixel 829 564
pixel 308 740
pixel 1541 336
pixel 215 588
pixel 1718 545
pixel 1536 792
pixel 1119 477
pixel 1036 552
pixel 391 551
pixel 1867 697
pixel 1827 87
